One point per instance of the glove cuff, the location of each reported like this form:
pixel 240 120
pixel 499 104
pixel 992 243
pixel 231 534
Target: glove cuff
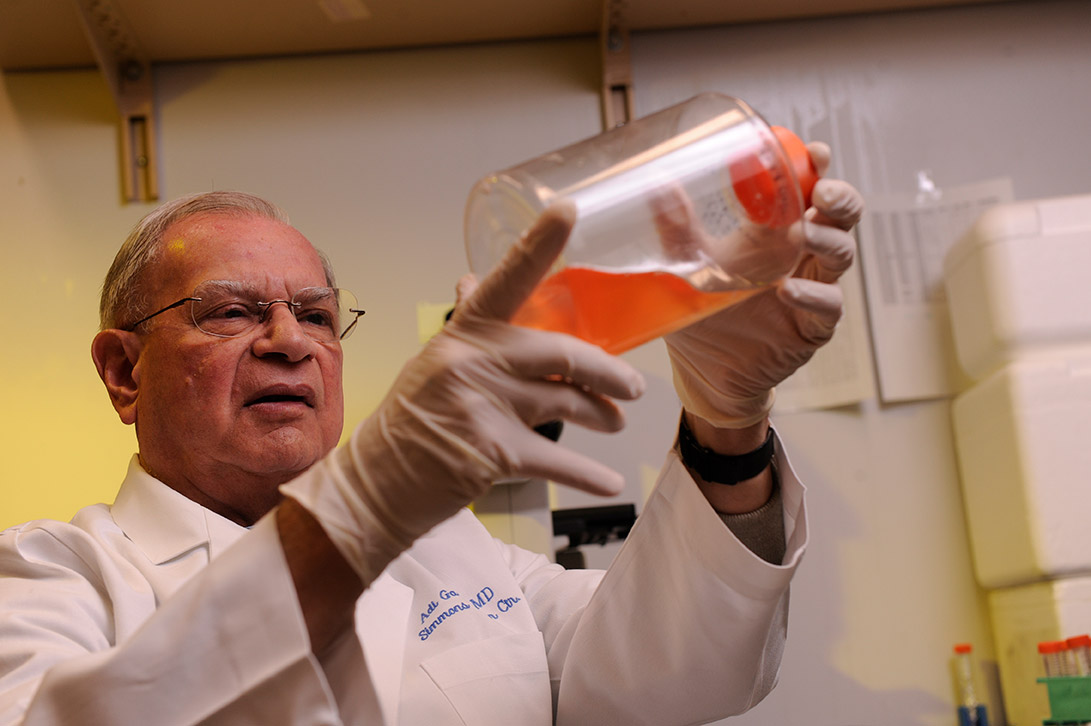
pixel 330 491
pixel 724 412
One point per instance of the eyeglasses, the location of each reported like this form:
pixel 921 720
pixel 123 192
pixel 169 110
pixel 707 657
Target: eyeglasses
pixel 228 309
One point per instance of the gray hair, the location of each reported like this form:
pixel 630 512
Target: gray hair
pixel 124 298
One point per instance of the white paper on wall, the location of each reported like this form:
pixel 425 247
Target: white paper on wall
pixel 903 241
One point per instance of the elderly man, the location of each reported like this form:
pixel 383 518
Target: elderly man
pixel 251 571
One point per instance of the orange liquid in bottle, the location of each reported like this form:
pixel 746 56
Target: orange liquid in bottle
pixel 618 311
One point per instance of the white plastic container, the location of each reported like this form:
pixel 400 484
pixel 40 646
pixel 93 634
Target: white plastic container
pixel 1018 282
pixel 679 214
pixel 1023 437
pixel 1022 617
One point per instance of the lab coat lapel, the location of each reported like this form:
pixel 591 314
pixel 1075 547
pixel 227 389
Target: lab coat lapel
pixel 381 616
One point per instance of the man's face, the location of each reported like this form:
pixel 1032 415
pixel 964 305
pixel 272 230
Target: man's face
pixel 226 420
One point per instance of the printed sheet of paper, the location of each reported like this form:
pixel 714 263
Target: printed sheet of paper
pixel 903 242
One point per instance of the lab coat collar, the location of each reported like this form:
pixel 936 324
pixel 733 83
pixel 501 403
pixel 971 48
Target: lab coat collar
pixel 165 523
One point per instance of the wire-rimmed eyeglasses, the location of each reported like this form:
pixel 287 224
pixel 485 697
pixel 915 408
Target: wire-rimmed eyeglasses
pixel 228 309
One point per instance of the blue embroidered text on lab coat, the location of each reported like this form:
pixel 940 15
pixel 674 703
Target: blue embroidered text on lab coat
pixel 443 595
pixel 483 597
pixel 439 620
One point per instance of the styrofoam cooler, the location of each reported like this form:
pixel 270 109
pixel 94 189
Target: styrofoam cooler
pixel 1023 437
pixel 1017 282
pixel 1022 617
pixel 1020 310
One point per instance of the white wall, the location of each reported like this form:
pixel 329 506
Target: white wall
pixel 373 156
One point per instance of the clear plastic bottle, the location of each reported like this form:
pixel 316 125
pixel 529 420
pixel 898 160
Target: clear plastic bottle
pixel 679 214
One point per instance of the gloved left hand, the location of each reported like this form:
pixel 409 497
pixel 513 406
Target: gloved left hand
pixel 727 365
pixel 460 414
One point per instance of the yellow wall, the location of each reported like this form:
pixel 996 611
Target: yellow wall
pixel 61 444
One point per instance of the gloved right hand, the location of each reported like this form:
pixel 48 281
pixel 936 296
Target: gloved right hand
pixel 460 416
pixel 727 365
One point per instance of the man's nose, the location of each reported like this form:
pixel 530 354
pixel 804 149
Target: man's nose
pixel 282 334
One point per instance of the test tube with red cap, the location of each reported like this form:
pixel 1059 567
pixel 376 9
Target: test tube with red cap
pixel 1054 658
pixel 1079 649
pixel 971 712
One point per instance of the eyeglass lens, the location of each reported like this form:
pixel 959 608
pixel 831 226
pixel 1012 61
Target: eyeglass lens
pixel 226 310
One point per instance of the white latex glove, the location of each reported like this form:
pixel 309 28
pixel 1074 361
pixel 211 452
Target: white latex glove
pixel 460 416
pixel 727 365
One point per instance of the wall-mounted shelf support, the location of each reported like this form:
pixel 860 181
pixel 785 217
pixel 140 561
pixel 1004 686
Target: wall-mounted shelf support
pixel 129 75
pixel 617 75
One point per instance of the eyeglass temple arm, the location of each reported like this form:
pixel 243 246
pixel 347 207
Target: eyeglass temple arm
pixel 351 325
pixel 173 305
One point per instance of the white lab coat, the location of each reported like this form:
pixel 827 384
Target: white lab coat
pixel 158 611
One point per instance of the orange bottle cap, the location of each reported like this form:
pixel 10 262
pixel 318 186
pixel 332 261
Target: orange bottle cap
pixel 758 184
pixel 963 648
pixel 802 163
pixel 1052 646
pixel 1079 641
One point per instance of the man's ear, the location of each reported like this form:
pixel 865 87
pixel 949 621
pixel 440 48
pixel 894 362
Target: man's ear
pixel 116 353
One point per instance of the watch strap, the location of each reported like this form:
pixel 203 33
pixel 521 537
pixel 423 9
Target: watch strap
pixel 718 468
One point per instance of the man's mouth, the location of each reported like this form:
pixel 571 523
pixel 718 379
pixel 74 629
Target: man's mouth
pixel 284 394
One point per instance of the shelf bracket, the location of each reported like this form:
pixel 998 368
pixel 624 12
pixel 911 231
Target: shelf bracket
pixel 128 74
pixel 617 75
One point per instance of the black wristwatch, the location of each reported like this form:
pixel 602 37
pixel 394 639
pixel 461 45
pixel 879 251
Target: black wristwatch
pixel 721 468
